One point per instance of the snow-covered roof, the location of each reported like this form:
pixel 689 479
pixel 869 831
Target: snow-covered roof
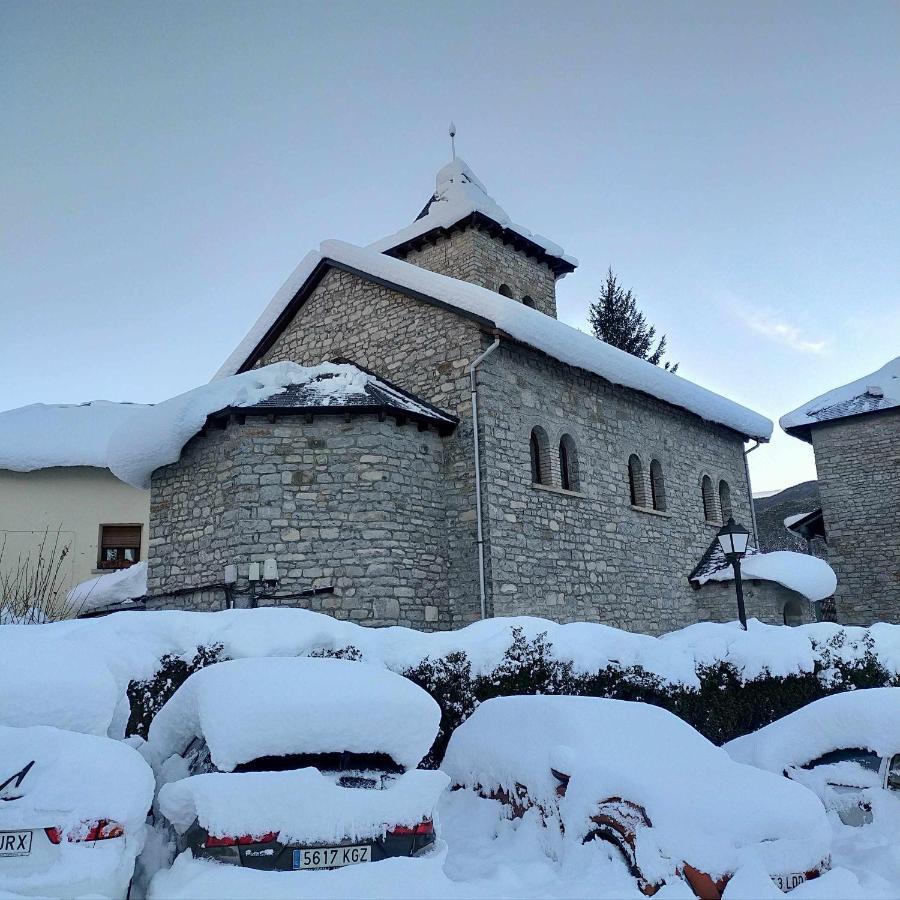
pixel 318 706
pixel 458 193
pixel 871 393
pixel 156 436
pixel 868 718
pixel 689 788
pixel 523 324
pixel 809 576
pixel 41 436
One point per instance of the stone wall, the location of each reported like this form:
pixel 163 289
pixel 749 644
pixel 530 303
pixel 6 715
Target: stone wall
pixel 858 464
pixel 764 600
pixel 421 348
pixel 474 256
pixel 353 505
pixel 589 554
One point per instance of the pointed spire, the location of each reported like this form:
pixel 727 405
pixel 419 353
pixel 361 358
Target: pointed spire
pixel 452 140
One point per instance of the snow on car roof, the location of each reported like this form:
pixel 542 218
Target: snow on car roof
pixel 703 807
pixel 302 805
pixel 42 436
pixel 274 706
pixel 458 193
pixel 523 324
pixel 77 690
pixel 75 777
pixel 868 718
pixel 878 391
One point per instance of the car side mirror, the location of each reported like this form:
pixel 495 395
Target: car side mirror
pixel 894 781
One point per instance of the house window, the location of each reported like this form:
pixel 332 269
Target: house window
pixel 636 481
pixel 540 456
pixel 504 290
pixel 120 546
pixel 657 486
pixel 725 500
pixel 568 463
pixel 528 301
pixel 709 499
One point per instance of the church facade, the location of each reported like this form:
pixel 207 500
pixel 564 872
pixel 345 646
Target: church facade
pixel 545 473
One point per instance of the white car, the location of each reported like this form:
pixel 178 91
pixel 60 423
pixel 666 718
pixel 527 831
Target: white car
pixel 845 748
pixel 637 777
pixel 73 811
pixel 289 764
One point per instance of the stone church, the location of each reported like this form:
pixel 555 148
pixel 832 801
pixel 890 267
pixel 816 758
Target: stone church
pixel 481 458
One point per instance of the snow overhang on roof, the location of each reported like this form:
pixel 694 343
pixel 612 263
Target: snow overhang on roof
pixel 491 310
pixel 459 200
pixel 45 436
pixel 873 393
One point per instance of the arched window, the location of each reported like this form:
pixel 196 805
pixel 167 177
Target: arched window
pixel 657 486
pixel 725 500
pixel 636 481
pixel 540 456
pixel 709 499
pixel 528 301
pixel 504 290
pixel 568 463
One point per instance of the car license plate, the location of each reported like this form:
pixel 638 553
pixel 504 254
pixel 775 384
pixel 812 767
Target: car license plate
pixel 15 843
pixel 789 882
pixel 331 857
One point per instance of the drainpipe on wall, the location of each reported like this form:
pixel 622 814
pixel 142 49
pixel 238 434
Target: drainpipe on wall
pixel 750 493
pixel 477 452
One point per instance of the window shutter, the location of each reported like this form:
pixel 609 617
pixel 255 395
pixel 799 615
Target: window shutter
pixel 120 536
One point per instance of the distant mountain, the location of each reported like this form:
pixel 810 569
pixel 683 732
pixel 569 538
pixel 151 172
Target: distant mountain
pixel 771 511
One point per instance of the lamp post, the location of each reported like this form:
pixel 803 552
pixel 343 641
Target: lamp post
pixel 733 540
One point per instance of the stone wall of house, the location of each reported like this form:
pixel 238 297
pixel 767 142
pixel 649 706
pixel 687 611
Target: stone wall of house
pixel 767 601
pixel 474 256
pixel 588 554
pixel 858 464
pixel 353 507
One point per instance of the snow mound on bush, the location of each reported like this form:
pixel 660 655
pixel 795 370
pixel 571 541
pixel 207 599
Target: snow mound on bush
pixel 250 708
pixel 704 808
pixel 75 778
pixel 868 718
pixel 304 806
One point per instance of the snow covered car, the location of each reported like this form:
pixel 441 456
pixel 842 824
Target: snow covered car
pixel 297 763
pixel 845 748
pixel 635 776
pixel 73 811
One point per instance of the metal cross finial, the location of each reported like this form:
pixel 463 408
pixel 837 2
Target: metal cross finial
pixel 453 140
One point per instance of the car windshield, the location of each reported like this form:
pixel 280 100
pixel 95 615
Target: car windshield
pixel 341 761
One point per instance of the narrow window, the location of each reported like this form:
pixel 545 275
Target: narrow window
pixel 504 290
pixel 709 499
pixel 725 500
pixel 568 463
pixel 528 301
pixel 120 546
pixel 657 486
pixel 636 481
pixel 540 456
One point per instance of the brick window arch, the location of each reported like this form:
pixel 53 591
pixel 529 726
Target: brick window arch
pixel 710 512
pixel 725 500
pixel 528 301
pixel 636 481
pixel 657 485
pixel 540 456
pixel 568 463
pixel 505 291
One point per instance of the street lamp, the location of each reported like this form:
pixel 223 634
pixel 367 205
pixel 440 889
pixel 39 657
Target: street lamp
pixel 733 540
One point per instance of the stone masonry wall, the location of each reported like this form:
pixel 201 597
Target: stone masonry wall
pixel 421 348
pixel 354 505
pixel 474 256
pixel 588 554
pixel 763 600
pixel 858 464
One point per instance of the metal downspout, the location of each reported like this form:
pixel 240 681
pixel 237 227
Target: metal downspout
pixel 750 492
pixel 477 451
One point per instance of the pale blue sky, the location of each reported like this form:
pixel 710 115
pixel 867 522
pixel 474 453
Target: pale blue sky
pixel 164 166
